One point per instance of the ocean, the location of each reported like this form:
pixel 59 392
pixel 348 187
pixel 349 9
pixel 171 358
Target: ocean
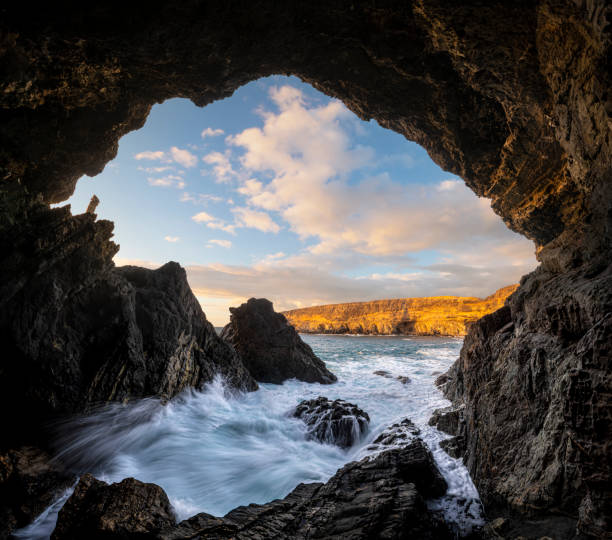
pixel 213 450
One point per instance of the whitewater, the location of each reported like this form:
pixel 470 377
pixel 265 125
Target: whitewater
pixel 215 449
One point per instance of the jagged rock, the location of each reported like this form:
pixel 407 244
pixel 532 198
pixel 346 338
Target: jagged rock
pixel 532 377
pixel 454 447
pixel 403 379
pixel 449 419
pixel 334 422
pixel 270 347
pixel 396 435
pixel 432 316
pixel 383 373
pixel 29 482
pixel 78 331
pixel 373 498
pixel 128 509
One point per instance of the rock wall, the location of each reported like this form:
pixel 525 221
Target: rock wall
pixel 438 315
pixel 76 331
pixel 512 96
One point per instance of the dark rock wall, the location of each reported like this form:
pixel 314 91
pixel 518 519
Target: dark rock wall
pixel 512 96
pixel 76 331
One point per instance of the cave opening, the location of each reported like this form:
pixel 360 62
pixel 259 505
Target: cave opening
pixel 512 98
pixel 281 192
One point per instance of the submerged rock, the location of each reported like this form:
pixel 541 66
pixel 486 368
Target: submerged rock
pixel 401 378
pixel 270 347
pixel 128 509
pixel 335 422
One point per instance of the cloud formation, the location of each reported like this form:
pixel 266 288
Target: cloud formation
pixel 171 239
pixel 221 243
pixel 210 132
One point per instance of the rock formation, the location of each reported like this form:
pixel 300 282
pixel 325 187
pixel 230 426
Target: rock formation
pixel 511 96
pixel 438 315
pixel 334 422
pixel 77 331
pixel 29 482
pixel 128 509
pixel 379 498
pixel 270 347
pixel 451 420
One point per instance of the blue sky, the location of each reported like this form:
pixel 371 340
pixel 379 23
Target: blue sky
pixel 280 191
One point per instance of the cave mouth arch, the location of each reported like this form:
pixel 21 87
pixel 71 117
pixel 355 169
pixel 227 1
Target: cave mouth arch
pixel 512 98
pixel 280 184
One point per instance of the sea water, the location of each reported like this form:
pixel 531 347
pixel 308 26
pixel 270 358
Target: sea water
pixel 214 449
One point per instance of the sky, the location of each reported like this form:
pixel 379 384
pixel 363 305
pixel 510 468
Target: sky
pixel 281 192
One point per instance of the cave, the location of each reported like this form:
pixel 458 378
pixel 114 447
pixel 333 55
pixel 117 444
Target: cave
pixel 512 97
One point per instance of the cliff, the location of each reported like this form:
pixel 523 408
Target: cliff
pixel 435 315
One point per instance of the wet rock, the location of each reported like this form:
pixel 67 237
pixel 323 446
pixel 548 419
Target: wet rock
pixel 334 422
pixel 128 509
pixel 403 379
pixel 454 447
pixel 29 482
pixel 382 497
pixel 270 347
pixel 396 435
pixel 383 373
pixel 77 330
pixel 449 420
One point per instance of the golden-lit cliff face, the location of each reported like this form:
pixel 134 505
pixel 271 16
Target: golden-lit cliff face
pixel 436 315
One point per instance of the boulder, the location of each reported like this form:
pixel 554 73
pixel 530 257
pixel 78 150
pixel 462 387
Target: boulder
pixel 334 422
pixel 449 420
pixel 29 482
pixel 270 347
pixel 125 510
pixel 395 436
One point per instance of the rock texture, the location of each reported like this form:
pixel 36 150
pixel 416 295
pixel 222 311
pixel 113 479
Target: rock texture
pixel 29 482
pixel 535 376
pixel 126 510
pixel 379 498
pixel 334 422
pixel 511 96
pixel 270 347
pixel 77 331
pixel 438 315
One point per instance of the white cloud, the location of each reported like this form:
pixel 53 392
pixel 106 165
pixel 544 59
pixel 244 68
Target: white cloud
pixel 210 132
pixel 183 157
pixel 221 243
pixel 199 198
pixel 151 155
pixel 253 219
pixel 222 168
pixel 170 180
pixel 155 170
pixel 203 217
pixel 171 239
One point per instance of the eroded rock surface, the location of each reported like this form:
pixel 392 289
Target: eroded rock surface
pixel 77 331
pixel 535 378
pixel 270 347
pixel 29 482
pixel 125 510
pixel 335 422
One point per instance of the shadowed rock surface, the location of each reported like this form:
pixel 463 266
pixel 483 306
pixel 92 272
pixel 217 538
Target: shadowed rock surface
pixel 379 498
pixel 511 96
pixel 270 347
pixel 78 331
pixel 429 316
pixel 29 482
pixel 335 422
pixel 128 509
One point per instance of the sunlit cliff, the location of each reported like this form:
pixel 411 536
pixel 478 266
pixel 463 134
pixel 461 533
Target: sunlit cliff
pixel 436 315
